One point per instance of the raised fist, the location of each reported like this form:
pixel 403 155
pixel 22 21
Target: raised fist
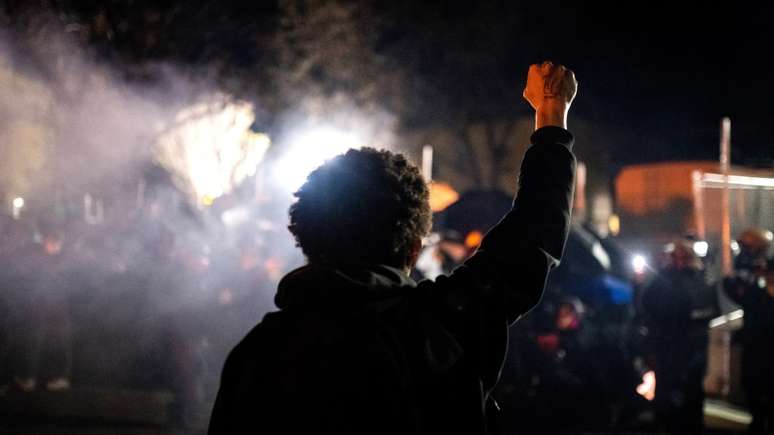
pixel 550 91
pixel 549 81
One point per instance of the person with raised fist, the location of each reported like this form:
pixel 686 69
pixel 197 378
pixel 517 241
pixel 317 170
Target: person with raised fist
pixel 357 346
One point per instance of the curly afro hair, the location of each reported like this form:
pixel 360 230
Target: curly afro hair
pixel 363 207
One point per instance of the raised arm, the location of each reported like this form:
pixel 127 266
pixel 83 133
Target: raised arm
pixel 509 269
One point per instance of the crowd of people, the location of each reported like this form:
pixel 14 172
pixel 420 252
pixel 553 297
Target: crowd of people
pixel 138 305
pixel 568 371
pixel 134 302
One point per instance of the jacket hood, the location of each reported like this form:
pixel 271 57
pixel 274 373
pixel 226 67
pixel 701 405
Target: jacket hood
pixel 315 285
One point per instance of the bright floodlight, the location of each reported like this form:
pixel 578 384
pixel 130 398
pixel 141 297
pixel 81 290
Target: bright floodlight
pixel 647 388
pixel 701 248
pixel 639 264
pixel 735 247
pixel 309 150
pixel 18 202
pixel 210 146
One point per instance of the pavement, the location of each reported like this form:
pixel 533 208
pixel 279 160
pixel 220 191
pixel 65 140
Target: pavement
pixel 111 411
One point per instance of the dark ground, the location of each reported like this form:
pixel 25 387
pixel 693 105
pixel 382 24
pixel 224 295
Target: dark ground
pixel 102 411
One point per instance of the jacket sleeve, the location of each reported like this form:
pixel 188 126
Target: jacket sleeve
pixel 507 274
pixel 222 418
pixel 505 277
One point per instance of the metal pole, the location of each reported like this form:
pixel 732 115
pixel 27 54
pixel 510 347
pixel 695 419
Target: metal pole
pixel 725 163
pixel 427 162
pixel 698 205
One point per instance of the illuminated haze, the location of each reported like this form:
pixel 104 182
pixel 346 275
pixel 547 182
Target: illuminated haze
pixel 76 133
pixel 67 119
pixel 171 207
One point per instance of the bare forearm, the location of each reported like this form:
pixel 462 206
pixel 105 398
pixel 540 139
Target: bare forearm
pixel 552 112
pixel 550 90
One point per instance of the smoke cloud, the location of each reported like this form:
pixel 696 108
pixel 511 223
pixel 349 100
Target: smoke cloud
pixel 139 234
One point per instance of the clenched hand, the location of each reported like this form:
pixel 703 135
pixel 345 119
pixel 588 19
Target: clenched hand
pixel 550 91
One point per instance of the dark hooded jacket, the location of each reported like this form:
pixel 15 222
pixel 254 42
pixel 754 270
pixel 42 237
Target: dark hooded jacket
pixel 367 350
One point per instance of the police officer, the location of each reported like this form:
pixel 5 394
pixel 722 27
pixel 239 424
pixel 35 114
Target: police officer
pixel 752 287
pixel 678 305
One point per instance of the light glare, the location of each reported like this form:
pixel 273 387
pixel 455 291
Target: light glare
pixel 310 150
pixel 647 388
pixel 639 264
pixel 701 248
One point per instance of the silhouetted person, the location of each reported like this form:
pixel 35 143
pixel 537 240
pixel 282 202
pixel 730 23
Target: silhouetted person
pixel 17 303
pixel 678 306
pixel 40 324
pixel 752 287
pixel 357 346
pixel 560 361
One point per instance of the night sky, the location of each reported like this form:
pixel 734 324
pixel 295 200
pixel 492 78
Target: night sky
pixel 667 74
pixel 656 77
pixel 659 77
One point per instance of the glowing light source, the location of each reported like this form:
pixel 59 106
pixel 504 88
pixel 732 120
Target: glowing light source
pixel 639 264
pixel 647 388
pixel 18 204
pixel 235 216
pixel 614 224
pixel 442 195
pixel 735 247
pixel 701 248
pixel 207 199
pixel 211 147
pixel 473 239
pixel 739 180
pixel 309 150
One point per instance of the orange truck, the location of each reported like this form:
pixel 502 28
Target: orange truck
pixel 671 199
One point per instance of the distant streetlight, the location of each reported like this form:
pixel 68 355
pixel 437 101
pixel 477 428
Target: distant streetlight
pixel 18 204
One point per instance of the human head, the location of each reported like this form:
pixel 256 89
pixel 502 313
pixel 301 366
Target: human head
pixel 754 245
pixel 364 207
pixel 568 314
pixel 680 256
pixel 756 240
pixel 52 243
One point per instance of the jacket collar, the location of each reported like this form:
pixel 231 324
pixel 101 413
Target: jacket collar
pixel 316 285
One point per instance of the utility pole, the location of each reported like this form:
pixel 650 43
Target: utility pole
pixel 725 163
